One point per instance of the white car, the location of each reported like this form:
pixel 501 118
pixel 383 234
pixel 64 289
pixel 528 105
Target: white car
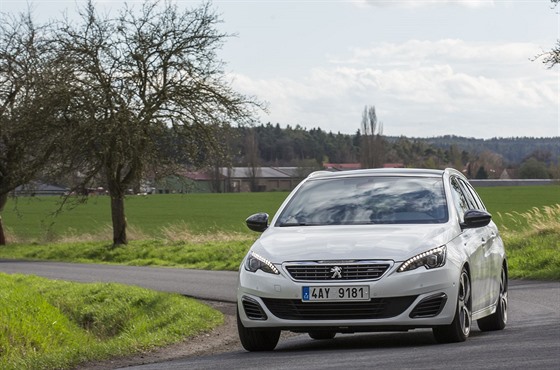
pixel 373 250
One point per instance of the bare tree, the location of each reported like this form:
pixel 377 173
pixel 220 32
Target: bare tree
pixel 33 97
pixel 551 57
pixel 372 143
pixel 220 161
pixel 148 79
pixel 252 158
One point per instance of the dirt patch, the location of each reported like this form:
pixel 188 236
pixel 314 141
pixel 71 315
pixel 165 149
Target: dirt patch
pixel 221 339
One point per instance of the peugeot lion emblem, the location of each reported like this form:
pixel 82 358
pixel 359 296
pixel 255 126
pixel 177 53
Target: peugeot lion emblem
pixel 337 272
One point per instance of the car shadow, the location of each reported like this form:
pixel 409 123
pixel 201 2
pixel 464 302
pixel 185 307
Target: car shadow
pixel 411 339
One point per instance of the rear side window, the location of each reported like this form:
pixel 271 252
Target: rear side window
pixel 477 202
pixel 460 201
pixel 465 197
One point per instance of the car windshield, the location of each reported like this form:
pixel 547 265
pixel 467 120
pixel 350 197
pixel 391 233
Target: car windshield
pixel 366 200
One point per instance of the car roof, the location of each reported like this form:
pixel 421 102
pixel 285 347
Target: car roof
pixel 378 172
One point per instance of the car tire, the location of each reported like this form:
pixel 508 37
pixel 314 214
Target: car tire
pixel 322 335
pixel 498 320
pixel 460 328
pixel 257 339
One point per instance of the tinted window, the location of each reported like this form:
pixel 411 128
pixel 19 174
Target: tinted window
pixel 461 203
pixel 473 195
pixel 366 200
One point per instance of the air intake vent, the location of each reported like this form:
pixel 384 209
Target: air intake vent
pixel 293 309
pixel 253 309
pixel 430 306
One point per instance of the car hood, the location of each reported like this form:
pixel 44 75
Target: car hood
pixel 384 242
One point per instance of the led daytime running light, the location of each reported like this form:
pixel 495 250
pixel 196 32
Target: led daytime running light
pixel 432 252
pixel 266 262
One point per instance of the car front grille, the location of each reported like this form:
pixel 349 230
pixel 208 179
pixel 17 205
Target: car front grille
pixel 328 271
pixel 380 308
pixel 430 306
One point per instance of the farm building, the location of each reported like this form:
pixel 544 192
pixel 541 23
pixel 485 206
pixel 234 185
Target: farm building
pixel 39 188
pixel 233 180
pixel 245 179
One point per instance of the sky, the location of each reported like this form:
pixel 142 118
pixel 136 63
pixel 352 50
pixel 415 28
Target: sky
pixel 430 67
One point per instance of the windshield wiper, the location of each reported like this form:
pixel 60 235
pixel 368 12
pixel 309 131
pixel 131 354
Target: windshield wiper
pixel 291 224
pixel 288 224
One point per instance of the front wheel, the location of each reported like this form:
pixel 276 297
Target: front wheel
pixel 498 320
pixel 257 339
pixel 460 328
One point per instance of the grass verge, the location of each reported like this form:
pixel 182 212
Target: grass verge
pixel 49 324
pixel 533 243
pixel 207 255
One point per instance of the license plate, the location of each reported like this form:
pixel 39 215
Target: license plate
pixel 335 293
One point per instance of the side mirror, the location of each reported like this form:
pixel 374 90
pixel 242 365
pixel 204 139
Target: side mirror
pixel 257 222
pixel 475 218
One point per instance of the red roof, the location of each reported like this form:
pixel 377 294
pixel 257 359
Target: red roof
pixel 343 166
pixel 357 166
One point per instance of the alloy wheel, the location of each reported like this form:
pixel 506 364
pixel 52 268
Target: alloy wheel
pixel 465 303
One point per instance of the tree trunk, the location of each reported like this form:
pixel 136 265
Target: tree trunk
pixel 3 201
pixel 119 220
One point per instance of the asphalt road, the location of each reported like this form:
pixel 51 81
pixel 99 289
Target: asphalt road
pixel 530 341
pixel 210 285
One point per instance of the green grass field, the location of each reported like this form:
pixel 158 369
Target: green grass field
pixel 207 231
pixel 32 219
pixel 501 201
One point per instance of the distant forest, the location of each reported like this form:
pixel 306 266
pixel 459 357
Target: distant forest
pixel 271 145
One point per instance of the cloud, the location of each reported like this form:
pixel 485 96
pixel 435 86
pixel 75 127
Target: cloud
pixel 434 82
pixel 453 50
pixel 422 3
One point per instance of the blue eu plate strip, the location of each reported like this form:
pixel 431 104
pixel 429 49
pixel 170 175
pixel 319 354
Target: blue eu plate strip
pixel 305 293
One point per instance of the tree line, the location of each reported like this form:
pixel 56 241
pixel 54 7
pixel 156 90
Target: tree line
pixel 272 145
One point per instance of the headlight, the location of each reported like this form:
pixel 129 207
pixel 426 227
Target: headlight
pixel 429 259
pixel 255 262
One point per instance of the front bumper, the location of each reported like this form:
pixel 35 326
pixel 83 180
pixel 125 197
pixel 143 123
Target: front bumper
pixel 399 301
